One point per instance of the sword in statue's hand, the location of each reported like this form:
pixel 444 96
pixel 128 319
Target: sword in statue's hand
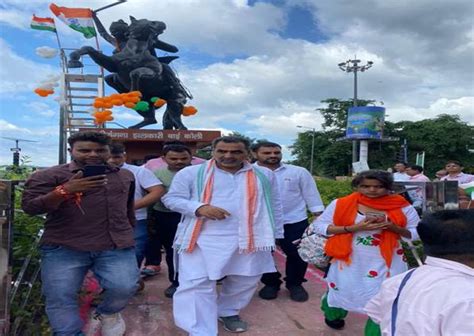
pixel 111 5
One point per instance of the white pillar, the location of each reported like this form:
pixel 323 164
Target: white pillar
pixel 364 151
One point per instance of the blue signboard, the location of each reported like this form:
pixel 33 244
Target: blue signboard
pixel 365 122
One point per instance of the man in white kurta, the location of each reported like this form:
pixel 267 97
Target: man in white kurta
pixel 218 251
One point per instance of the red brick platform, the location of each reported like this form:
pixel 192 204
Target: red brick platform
pixel 150 312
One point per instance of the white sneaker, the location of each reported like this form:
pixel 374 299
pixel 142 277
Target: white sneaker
pixel 108 325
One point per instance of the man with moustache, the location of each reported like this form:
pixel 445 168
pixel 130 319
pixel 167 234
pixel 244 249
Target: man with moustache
pixel 231 217
pixel 298 191
pixel 89 226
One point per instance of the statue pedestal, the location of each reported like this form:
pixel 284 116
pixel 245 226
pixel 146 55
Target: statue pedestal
pixel 142 142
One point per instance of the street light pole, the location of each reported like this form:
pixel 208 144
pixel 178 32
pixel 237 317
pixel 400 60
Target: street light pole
pixel 311 159
pixel 353 66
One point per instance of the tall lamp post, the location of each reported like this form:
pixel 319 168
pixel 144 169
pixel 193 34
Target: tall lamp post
pixel 353 66
pixel 313 130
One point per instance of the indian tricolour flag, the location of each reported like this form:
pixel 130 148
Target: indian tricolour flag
pixel 43 23
pixel 79 19
pixel 468 188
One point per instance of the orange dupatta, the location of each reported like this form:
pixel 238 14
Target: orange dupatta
pixel 340 246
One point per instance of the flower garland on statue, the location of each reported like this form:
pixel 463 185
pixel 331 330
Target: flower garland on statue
pixel 132 100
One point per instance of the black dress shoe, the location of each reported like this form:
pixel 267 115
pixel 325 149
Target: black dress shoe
pixel 169 292
pixel 298 293
pixel 335 324
pixel 268 292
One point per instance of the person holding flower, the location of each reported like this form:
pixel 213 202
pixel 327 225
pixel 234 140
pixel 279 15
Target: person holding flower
pixel 364 230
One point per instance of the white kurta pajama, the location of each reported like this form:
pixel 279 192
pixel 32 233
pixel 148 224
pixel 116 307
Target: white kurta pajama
pixel 216 254
pixel 350 287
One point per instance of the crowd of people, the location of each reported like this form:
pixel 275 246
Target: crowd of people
pixel 220 220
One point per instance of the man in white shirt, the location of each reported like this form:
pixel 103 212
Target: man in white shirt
pixel 231 216
pixel 437 299
pixel 148 190
pixel 400 172
pixel 298 192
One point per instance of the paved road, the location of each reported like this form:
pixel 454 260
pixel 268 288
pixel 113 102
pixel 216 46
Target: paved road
pixel 150 313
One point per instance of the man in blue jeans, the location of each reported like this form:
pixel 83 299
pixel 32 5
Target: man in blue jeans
pixel 148 190
pixel 89 226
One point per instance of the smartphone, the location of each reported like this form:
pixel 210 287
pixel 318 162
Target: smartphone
pixel 376 217
pixel 93 170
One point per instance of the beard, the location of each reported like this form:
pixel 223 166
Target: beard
pixel 272 161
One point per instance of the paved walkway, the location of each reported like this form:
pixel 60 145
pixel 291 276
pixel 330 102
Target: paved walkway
pixel 150 312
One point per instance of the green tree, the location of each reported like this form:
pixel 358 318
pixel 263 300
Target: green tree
pixel 332 157
pixel 442 138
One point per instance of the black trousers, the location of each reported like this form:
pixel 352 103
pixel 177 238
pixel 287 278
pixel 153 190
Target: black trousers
pixel 165 226
pixel 295 267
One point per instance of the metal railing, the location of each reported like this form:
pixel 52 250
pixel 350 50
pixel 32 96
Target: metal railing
pixel 16 290
pixel 435 196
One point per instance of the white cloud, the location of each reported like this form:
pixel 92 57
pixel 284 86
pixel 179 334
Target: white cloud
pixel 46 52
pixel 42 109
pixel 18 73
pixel 14 18
pixel 6 126
pixel 463 107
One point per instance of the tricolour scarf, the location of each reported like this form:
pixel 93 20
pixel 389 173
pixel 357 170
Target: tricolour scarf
pixel 257 227
pixel 340 246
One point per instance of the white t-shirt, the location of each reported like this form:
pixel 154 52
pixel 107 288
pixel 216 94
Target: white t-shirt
pixel 401 176
pixel 144 179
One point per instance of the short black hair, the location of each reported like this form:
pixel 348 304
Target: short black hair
pixel 382 176
pixel 448 232
pixel 256 146
pixel 455 162
pixel 117 148
pixel 97 137
pixel 231 139
pixel 175 148
pixel 173 142
pixel 416 167
pixel 401 162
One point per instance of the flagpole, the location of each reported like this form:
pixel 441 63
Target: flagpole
pixel 57 36
pixel 61 51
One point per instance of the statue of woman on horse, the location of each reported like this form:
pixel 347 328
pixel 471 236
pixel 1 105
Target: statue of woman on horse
pixel 134 66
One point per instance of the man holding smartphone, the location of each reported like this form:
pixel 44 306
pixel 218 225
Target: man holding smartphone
pixel 89 226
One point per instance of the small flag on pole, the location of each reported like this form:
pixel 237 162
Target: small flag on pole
pixel 468 189
pixel 43 24
pixel 79 19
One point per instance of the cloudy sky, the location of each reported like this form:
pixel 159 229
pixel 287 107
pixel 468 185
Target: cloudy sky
pixel 258 67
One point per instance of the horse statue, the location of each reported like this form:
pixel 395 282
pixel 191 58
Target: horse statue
pixel 135 68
